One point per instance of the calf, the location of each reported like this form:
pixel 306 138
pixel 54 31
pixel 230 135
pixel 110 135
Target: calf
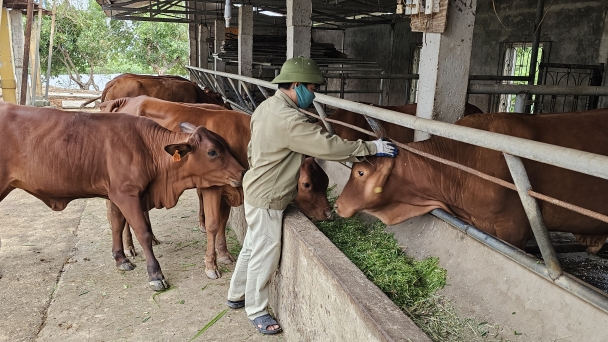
pixel 137 164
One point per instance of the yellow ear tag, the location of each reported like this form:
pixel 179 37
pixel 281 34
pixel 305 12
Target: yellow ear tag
pixel 378 189
pixel 176 156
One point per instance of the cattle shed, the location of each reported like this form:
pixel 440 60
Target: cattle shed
pixel 527 56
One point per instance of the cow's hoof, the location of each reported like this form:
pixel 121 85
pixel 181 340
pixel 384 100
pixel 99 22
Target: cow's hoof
pixel 159 284
pixel 202 228
pixel 213 274
pixel 155 241
pixel 226 259
pixel 127 265
pixel 130 252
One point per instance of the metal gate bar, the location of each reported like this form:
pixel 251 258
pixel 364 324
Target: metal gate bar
pixel 520 178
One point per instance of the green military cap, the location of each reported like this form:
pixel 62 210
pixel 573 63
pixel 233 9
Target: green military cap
pixel 300 69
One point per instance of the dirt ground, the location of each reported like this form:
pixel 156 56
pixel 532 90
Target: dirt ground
pixel 58 281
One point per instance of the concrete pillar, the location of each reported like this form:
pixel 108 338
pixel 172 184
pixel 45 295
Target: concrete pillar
pixel 220 36
pixel 603 57
pixel 245 40
pixel 298 28
pixel 203 46
pixel 192 38
pixel 444 66
pixel 193 35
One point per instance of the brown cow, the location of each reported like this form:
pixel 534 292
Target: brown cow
pixel 396 132
pixel 60 156
pixel 167 87
pixel 395 190
pixel 235 128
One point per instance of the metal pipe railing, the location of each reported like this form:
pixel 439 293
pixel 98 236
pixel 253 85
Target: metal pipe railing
pixel 571 159
pixel 537 89
pixel 567 158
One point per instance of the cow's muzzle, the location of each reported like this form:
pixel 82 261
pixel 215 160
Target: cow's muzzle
pixel 329 214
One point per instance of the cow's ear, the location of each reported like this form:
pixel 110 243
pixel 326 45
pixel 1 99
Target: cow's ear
pixel 178 150
pixel 187 127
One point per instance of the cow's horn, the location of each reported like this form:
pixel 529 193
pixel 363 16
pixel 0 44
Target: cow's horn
pixel 376 127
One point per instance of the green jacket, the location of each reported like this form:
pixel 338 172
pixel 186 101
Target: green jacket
pixel 280 137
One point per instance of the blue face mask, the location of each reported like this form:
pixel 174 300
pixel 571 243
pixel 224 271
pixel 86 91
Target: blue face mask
pixel 305 96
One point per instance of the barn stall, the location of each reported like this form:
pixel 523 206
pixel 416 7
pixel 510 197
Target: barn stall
pixel 529 56
pixel 458 52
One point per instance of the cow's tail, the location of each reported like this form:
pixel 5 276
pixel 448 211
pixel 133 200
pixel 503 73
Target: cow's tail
pixel 89 101
pixel 113 105
pixel 109 85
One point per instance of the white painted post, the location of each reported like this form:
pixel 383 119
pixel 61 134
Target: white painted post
pixel 220 36
pixel 245 40
pixel 298 28
pixel 444 67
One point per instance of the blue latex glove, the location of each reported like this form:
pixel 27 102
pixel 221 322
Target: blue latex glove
pixel 385 148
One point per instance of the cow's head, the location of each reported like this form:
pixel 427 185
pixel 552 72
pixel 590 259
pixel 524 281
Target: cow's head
pixel 215 98
pixel 312 191
pixel 209 162
pixel 367 189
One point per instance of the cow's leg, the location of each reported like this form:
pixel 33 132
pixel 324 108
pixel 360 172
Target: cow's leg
pixel 155 241
pixel 201 210
pixel 127 238
pixel 593 242
pixel 221 246
pixel 127 241
pixel 213 198
pixel 130 207
pixel 118 224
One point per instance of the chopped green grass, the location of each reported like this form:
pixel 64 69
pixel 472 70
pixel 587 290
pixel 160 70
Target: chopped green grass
pixel 409 283
pixel 376 252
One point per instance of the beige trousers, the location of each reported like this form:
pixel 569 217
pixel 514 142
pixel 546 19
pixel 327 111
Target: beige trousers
pixel 258 260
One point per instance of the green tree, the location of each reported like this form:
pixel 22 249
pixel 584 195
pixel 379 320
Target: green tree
pixel 85 41
pixel 161 46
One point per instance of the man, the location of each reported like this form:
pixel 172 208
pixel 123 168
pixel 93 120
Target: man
pixel 281 136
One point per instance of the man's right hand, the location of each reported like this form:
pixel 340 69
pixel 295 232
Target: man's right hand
pixel 385 148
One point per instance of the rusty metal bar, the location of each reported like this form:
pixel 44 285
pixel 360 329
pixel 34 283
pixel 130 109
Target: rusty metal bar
pixel 522 183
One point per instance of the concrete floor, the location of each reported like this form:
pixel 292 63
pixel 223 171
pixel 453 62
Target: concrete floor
pixel 58 281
